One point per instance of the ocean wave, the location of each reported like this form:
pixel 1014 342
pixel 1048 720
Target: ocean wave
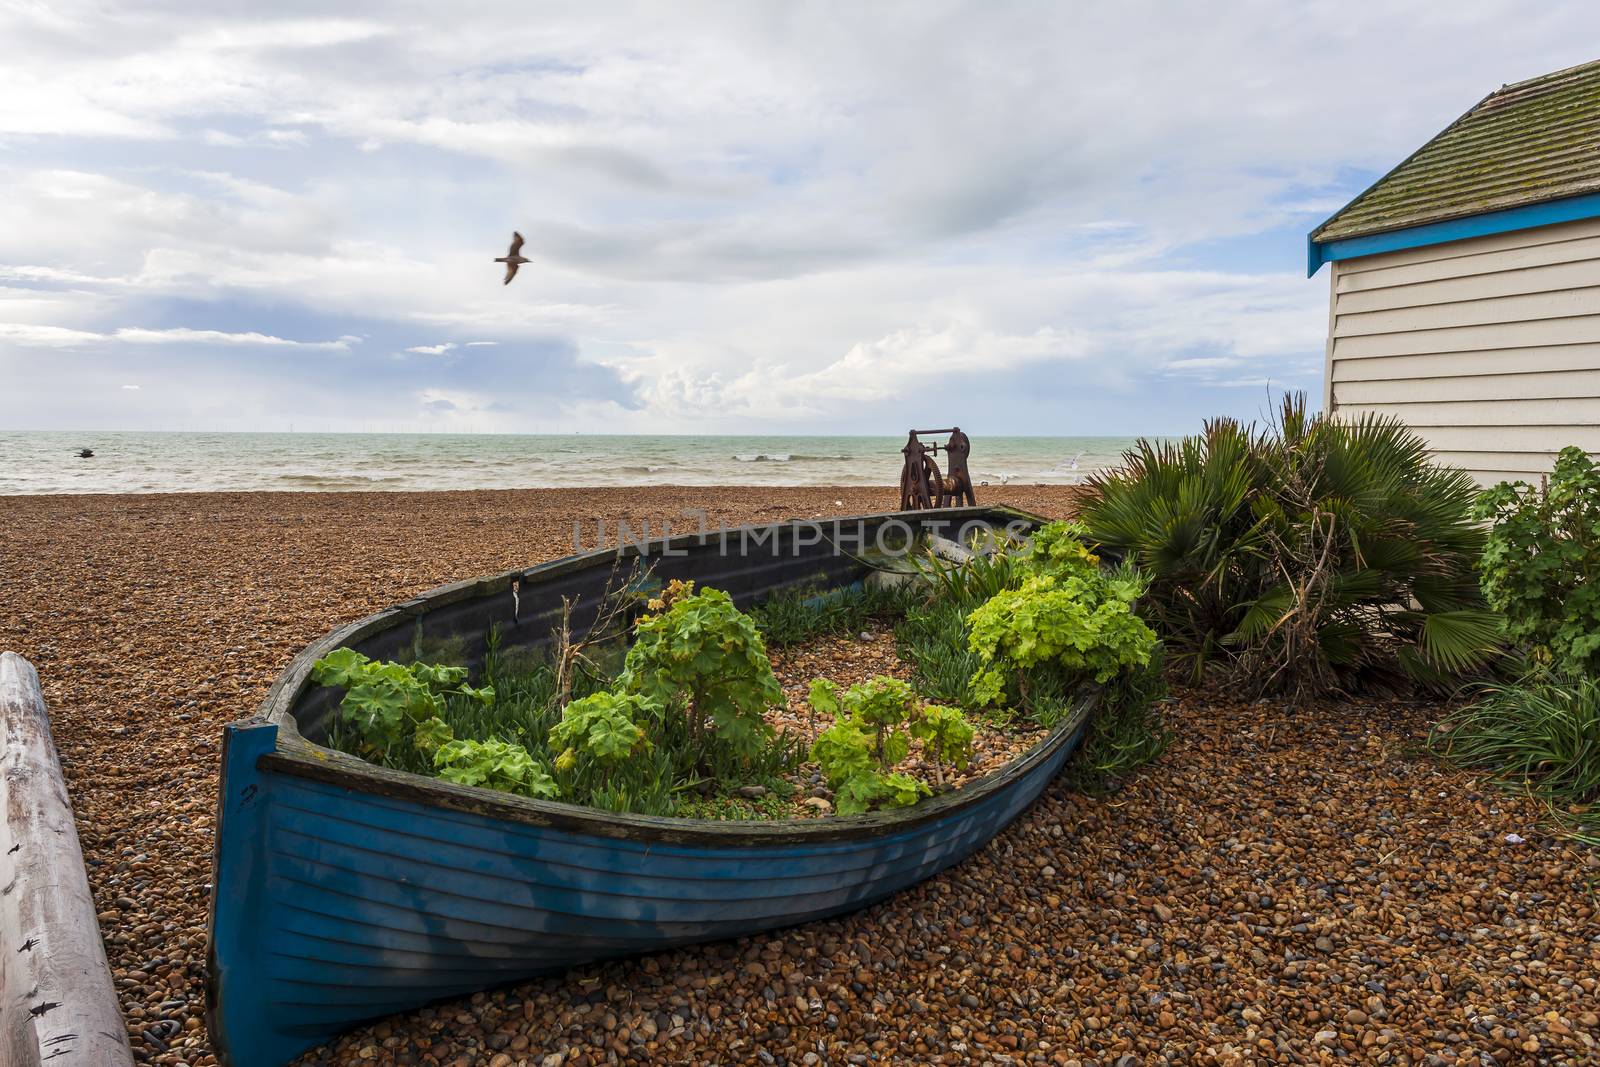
pixel 340 480
pixel 793 457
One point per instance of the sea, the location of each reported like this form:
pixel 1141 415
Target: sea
pixel 142 462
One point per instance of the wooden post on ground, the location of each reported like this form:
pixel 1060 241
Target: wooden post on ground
pixel 57 1004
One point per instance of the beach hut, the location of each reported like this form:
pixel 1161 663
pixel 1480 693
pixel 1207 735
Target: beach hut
pixel 1466 283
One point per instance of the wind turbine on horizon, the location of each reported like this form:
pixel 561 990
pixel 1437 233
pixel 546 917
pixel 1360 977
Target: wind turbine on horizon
pixel 513 258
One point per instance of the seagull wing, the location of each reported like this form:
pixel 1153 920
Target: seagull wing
pixel 516 244
pixel 511 272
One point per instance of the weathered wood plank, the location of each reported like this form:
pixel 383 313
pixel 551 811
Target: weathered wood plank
pixel 59 1004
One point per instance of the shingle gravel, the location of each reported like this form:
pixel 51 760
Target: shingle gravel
pixel 1286 885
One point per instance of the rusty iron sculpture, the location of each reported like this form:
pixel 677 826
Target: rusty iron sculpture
pixel 921 483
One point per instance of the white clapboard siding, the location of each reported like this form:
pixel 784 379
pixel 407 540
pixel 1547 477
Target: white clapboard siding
pixel 1547 385
pixel 1562 411
pixel 1489 347
pixel 1489 361
pixel 1483 264
pixel 1487 311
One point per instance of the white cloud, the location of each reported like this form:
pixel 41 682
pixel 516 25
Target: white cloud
pixel 131 388
pixel 184 336
pixel 763 217
pixel 41 336
pixel 31 335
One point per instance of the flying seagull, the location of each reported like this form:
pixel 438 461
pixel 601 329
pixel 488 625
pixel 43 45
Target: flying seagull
pixel 513 258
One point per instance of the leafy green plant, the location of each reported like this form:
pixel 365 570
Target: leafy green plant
pixel 603 727
pixel 702 657
pixel 1540 559
pixel 1061 549
pixel 933 639
pixel 796 615
pixel 1126 732
pixel 1540 736
pixel 501 765
pixel 946 738
pixel 386 703
pixel 774 804
pixel 1082 624
pixel 994 565
pixel 431 735
pixel 1319 555
pixel 874 723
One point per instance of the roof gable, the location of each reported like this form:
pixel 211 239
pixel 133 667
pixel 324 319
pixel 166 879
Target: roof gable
pixel 1527 143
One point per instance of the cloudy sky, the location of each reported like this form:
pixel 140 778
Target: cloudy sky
pixel 1049 218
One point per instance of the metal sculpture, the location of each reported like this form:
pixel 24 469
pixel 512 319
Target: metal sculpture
pixel 922 485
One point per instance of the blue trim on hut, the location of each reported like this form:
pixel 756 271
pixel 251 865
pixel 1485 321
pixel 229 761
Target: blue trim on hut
pixel 1548 213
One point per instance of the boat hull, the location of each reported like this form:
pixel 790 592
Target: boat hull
pixel 344 892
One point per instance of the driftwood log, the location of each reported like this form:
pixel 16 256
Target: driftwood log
pixel 57 1004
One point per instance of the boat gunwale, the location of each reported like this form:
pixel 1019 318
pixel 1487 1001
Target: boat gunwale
pixel 296 756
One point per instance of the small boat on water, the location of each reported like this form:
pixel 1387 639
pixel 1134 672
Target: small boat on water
pixel 344 891
pixel 85 453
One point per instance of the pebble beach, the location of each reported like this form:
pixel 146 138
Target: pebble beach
pixel 1287 884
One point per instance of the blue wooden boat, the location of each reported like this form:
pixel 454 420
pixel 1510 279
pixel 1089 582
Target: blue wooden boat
pixel 344 891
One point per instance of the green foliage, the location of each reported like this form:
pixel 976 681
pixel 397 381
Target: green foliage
pixel 1126 731
pixel 874 724
pixel 1539 560
pixel 602 727
pixel 494 765
pixel 933 639
pixel 1322 554
pixel 865 791
pixel 1061 549
pixel 432 735
pixel 1082 624
pixel 995 565
pixel 703 658
pixel 386 703
pixel 1540 736
pixel 626 740
pixel 794 616
pixel 773 804
pixel 946 738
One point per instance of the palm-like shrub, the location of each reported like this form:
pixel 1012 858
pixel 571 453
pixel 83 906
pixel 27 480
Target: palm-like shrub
pixel 1317 555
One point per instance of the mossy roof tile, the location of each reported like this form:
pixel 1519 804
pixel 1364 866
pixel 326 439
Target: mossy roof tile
pixel 1525 143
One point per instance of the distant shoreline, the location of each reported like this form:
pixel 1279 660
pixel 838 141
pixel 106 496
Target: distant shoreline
pixel 38 463
pixel 599 493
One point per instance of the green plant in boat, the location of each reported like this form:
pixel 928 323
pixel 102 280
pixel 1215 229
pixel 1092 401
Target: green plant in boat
pixel 386 703
pixel 874 724
pixel 1080 624
pixel 492 764
pixel 946 738
pixel 603 727
pixel 703 658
